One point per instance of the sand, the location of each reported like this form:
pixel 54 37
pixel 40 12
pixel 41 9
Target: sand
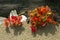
pixel 24 33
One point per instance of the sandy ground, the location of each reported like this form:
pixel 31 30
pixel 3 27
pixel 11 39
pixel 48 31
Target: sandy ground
pixel 24 33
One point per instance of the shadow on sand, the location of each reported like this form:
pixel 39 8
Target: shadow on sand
pixel 7 30
pixel 48 29
pixel 17 30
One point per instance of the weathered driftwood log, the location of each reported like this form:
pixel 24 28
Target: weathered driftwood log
pixel 6 8
pixel 7 5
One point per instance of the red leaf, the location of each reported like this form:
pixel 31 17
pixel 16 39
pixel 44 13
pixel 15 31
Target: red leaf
pixel 6 22
pixel 54 23
pixel 48 20
pixel 42 24
pixel 33 29
pixel 14 17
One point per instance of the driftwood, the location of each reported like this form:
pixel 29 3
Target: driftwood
pixel 7 5
pixel 6 8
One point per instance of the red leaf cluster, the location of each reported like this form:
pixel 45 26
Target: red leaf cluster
pixel 41 16
pixel 15 20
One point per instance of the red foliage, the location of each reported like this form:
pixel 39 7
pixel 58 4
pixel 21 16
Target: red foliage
pixel 42 24
pixel 15 20
pixel 33 29
pixel 6 22
pixel 48 20
pixel 42 16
